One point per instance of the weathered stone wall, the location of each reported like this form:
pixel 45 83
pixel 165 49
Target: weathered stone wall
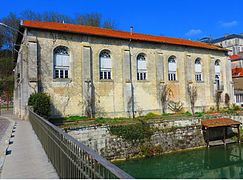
pixel 112 97
pixel 164 139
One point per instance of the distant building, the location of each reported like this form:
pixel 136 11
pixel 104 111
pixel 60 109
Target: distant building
pixel 232 42
pixel 237 76
pixel 114 73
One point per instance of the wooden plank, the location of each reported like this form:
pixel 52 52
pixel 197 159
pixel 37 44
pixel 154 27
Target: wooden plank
pixel 219 122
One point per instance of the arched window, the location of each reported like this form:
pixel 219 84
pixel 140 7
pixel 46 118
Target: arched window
pixel 217 73
pixel 172 68
pixel 198 70
pixel 217 67
pixel 141 67
pixel 61 62
pixel 105 64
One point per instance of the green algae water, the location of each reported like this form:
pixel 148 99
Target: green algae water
pixel 214 163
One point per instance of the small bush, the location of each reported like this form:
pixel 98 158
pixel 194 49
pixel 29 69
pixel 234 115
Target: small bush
pixel 187 113
pixel 235 107
pixel 212 109
pixel 75 118
pixel 40 103
pixel 151 115
pixel 139 131
pixel 149 150
pixel 199 114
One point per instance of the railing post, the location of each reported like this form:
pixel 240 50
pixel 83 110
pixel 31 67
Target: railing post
pixel 71 158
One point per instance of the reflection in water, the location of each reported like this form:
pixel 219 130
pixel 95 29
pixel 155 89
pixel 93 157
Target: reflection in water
pixel 215 162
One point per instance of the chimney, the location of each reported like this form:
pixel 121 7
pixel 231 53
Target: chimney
pixel 131 30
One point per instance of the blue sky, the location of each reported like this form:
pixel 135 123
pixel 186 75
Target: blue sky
pixel 189 19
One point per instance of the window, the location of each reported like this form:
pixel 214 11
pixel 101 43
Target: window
pixel 141 67
pixel 198 70
pixel 172 69
pixel 239 98
pixel 105 65
pixel 217 73
pixel 61 62
pixel 217 67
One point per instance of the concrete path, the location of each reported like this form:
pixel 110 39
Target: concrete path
pixel 6 127
pixel 26 159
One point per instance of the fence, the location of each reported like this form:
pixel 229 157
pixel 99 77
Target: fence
pixel 71 158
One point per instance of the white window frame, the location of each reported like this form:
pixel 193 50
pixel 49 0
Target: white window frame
pixel 105 72
pixel 198 73
pixel 172 73
pixel 217 67
pixel 61 71
pixel 141 71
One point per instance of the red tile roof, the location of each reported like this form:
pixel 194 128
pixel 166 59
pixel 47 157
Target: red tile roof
pixel 73 28
pixel 219 122
pixel 234 56
pixel 237 72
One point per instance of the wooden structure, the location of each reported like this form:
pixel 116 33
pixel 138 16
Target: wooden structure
pixel 220 129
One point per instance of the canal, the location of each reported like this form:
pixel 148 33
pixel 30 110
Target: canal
pixel 215 162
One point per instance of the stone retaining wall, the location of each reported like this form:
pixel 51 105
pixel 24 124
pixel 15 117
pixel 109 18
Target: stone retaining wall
pixel 165 139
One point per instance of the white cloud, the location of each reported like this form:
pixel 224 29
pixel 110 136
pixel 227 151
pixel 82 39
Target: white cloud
pixel 194 32
pixel 229 24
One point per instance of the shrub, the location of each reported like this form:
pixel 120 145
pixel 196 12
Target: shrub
pixel 187 113
pixel 139 131
pixel 235 107
pixel 199 114
pixel 40 103
pixel 151 115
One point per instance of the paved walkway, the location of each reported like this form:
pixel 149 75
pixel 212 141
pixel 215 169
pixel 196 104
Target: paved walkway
pixel 4 124
pixel 25 157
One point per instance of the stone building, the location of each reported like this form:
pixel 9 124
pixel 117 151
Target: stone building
pixel 237 76
pixel 103 72
pixel 233 42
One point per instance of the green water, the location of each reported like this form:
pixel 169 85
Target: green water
pixel 215 162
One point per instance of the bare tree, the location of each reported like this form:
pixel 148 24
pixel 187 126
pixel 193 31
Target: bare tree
pixel 165 95
pixel 1 40
pixel 227 99
pixel 46 16
pixel 217 99
pixel 92 19
pixel 192 93
pixel 109 24
pixel 31 15
pixel 9 35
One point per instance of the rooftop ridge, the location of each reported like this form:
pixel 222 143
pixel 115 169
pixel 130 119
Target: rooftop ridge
pixel 74 28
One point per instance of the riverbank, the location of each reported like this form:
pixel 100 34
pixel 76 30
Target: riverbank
pixel 144 138
pixel 133 141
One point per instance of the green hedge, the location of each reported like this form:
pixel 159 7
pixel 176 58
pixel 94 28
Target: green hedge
pixel 40 103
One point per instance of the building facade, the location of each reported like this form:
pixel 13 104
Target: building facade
pixel 101 72
pixel 233 42
pixel 237 76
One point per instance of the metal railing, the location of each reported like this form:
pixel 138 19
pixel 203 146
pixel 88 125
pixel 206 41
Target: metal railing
pixel 71 158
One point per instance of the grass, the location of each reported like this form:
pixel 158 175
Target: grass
pixel 77 121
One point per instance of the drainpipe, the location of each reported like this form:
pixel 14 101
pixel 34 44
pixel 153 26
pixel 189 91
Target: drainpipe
pixel 130 63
